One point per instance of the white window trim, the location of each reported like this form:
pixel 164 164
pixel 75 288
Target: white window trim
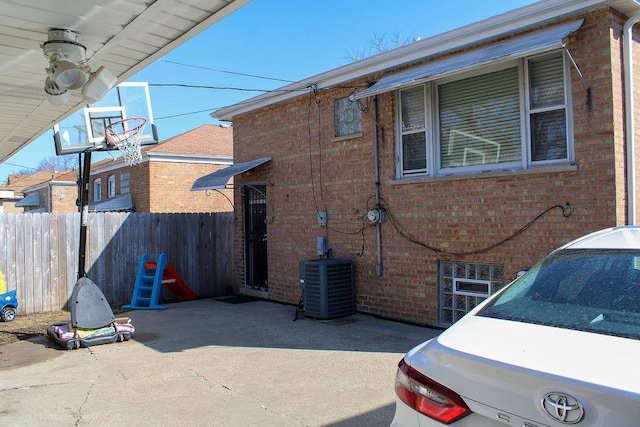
pixel 97 189
pixel 428 135
pixel 568 111
pixel 457 291
pixel 111 186
pixel 432 125
pixel 122 182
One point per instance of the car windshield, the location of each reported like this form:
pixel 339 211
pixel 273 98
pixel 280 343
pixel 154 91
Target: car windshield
pixel 588 290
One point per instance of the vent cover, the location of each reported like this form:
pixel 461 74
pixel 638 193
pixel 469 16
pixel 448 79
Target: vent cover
pixel 328 287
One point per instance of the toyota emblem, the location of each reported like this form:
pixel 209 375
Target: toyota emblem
pixel 562 408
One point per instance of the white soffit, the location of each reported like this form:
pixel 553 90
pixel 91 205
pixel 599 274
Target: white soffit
pixel 122 35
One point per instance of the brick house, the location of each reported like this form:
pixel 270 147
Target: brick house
pixel 443 167
pixel 162 181
pixel 43 191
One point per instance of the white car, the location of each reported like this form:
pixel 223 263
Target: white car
pixel 558 346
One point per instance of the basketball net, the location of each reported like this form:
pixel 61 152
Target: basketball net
pixel 125 135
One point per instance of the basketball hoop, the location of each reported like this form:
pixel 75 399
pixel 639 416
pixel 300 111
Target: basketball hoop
pixel 125 135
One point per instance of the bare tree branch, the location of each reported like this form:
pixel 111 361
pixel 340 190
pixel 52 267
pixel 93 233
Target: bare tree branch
pixel 381 42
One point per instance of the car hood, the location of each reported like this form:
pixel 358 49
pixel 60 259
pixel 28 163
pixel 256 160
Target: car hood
pixel 506 366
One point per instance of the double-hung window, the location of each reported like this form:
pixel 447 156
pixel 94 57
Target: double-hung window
pixel 97 190
pixel 111 189
pixel 509 116
pixel 547 109
pixel 125 183
pixel 414 131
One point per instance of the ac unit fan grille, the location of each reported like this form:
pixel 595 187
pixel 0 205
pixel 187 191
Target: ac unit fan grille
pixel 328 285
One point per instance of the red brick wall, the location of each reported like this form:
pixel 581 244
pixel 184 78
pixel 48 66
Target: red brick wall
pixel 170 189
pixel 310 171
pixel 10 207
pixel 165 187
pixel 63 198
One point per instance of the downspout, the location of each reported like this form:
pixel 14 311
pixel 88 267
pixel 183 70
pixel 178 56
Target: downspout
pixel 629 119
pixel 379 268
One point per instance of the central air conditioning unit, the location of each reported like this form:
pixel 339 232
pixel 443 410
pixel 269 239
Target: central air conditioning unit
pixel 328 287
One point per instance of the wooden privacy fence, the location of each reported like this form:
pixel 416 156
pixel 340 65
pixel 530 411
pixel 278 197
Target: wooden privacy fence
pixel 39 253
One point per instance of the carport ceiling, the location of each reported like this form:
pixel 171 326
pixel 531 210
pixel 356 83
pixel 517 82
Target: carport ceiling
pixel 122 35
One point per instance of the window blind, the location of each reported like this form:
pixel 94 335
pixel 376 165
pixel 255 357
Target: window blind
pixel 547 108
pixel 414 143
pixel 480 120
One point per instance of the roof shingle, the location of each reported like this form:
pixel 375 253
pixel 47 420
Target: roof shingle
pixel 207 139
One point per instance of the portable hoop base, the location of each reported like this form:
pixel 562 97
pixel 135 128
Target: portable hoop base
pixel 125 135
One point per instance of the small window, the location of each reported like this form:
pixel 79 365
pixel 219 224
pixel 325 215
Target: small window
pixel 471 287
pixel 112 186
pixel 547 109
pixel 413 130
pixel 124 183
pixel 348 117
pixel 462 286
pixel 97 190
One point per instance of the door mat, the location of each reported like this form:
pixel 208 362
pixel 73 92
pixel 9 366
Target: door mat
pixel 239 299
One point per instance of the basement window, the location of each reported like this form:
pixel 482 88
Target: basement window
pixel 471 287
pixel 462 286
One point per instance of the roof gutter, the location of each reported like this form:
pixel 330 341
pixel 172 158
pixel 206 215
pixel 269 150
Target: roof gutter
pixel 629 118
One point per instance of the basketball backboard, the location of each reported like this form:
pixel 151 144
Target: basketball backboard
pixel 84 130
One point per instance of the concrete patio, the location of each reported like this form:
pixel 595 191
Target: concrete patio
pixel 213 363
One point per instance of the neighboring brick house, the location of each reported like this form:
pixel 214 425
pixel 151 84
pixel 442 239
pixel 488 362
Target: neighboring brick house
pixel 42 191
pixel 453 170
pixel 162 181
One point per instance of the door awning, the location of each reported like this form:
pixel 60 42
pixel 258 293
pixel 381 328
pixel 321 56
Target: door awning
pixel 122 203
pixel 219 179
pixel 30 200
pixel 517 47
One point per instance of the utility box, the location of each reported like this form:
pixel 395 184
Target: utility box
pixel 328 287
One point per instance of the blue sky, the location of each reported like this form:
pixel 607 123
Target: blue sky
pixel 284 39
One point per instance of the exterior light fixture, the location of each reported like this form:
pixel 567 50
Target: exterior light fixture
pixel 98 85
pixel 68 75
pixel 68 70
pixel 55 95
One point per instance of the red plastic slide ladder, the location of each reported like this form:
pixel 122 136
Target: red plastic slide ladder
pixel 171 279
pixel 150 278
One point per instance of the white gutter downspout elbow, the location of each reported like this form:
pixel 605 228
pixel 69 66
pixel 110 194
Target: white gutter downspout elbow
pixel 629 119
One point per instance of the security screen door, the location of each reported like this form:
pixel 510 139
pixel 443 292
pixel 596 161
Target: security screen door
pixel 255 216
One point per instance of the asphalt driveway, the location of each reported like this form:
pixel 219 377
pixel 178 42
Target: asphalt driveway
pixel 213 363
